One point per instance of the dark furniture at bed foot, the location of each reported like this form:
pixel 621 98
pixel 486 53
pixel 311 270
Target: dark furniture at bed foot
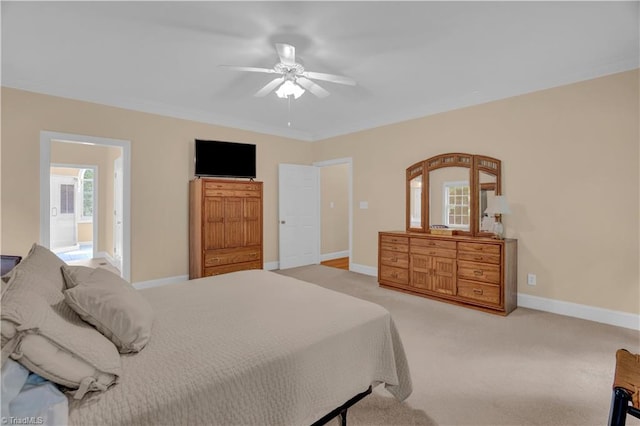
pixel 342 410
pixel 626 388
pixel 9 262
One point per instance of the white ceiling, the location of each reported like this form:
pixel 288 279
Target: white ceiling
pixel 410 59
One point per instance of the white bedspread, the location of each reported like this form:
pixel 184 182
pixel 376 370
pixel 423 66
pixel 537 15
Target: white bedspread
pixel 251 348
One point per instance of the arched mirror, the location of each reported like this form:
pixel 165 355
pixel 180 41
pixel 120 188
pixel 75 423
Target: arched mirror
pixel 452 191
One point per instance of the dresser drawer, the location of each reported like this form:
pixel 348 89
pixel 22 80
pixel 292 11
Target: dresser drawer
pixel 431 251
pixel 394 243
pixel 479 257
pixel 479 248
pixel 486 293
pixel 222 257
pixel 433 243
pixel 393 239
pixel 479 271
pixel 394 258
pixel 396 275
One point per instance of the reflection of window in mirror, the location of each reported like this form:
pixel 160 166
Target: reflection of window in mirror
pixel 416 202
pixel 456 204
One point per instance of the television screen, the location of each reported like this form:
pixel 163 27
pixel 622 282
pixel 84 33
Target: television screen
pixel 225 159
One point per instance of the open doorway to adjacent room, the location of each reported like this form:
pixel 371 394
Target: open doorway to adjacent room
pixel 85 200
pixel 335 213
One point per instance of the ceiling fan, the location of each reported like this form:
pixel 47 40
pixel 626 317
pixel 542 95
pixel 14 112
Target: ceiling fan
pixel 293 79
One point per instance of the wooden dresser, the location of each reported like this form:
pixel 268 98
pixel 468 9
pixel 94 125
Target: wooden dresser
pixel 225 226
pixel 479 273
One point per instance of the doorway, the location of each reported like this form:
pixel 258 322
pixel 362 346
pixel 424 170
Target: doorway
pixel 49 143
pixel 300 214
pixel 335 212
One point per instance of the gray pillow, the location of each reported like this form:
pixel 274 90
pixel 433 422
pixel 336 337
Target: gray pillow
pixel 70 353
pixel 42 261
pixel 111 304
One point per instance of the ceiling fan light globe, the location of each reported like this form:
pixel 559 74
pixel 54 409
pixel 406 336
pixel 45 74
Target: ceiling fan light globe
pixel 289 88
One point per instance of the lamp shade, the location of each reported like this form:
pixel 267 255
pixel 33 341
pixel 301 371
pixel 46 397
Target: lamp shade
pixel 497 205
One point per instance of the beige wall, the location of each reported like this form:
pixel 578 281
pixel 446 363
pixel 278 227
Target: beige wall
pixel 334 208
pixel 570 165
pixel 562 149
pixel 102 157
pixel 161 162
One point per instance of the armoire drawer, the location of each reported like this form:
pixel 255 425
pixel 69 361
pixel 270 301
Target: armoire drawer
pixel 225 257
pixel 231 268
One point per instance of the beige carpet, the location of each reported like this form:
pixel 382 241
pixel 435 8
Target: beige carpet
pixel 473 368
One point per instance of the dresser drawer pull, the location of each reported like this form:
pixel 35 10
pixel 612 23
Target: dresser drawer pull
pixel 477 291
pixel 477 272
pixel 478 258
pixel 395 259
pixel 394 275
pixel 431 243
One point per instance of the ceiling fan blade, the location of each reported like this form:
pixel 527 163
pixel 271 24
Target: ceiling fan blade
pixel 312 87
pixel 287 53
pixel 329 77
pixel 250 69
pixel 269 87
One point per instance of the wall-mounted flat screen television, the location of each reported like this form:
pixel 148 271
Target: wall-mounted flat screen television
pixel 225 159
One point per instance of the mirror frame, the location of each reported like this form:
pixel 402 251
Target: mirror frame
pixel 475 164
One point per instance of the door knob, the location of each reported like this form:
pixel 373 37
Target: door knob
pixel 283 222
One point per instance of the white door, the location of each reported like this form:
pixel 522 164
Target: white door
pixel 62 222
pixel 299 213
pixel 117 212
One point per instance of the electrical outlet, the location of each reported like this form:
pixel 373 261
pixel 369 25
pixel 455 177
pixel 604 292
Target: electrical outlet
pixel 531 279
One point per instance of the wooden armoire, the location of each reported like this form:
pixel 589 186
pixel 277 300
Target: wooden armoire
pixel 225 226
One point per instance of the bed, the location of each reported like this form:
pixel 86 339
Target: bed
pixel 250 348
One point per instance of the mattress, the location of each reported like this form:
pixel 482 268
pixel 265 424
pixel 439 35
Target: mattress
pixel 250 348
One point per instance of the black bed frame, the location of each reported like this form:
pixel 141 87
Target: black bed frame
pixel 342 410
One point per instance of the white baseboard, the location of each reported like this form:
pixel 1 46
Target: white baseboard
pixel 591 313
pixel 270 266
pixel 364 269
pixel 107 257
pixel 334 255
pixel 160 282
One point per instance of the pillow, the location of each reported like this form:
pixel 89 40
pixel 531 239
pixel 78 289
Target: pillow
pixel 111 304
pixel 41 260
pixel 70 353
